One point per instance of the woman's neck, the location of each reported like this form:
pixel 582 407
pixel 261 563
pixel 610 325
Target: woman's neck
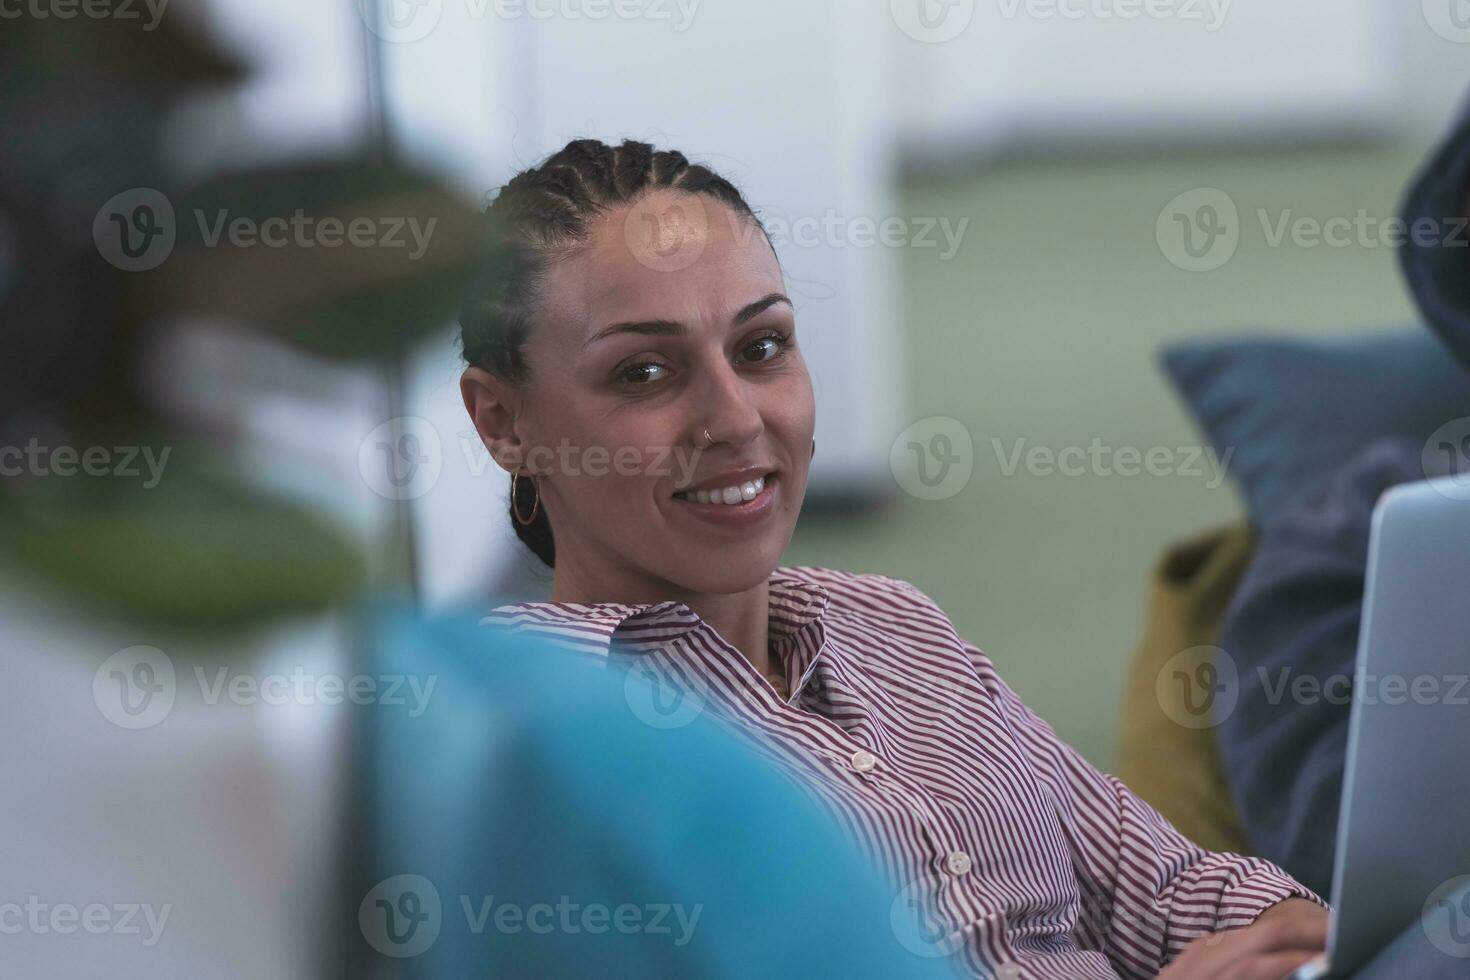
pixel 741 618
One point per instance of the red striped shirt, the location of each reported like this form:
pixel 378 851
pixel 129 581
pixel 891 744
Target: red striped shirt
pixel 1017 856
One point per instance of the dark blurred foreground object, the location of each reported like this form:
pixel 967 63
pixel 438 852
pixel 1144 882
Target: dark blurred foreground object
pixel 154 772
pixel 100 250
pixel 1438 273
pixel 547 816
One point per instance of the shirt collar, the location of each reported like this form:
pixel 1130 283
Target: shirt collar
pixel 794 605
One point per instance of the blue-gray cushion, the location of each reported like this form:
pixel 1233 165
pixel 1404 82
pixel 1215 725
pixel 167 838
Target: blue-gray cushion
pixel 1291 411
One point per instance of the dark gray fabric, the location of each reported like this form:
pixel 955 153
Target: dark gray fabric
pixel 1437 267
pixel 1296 613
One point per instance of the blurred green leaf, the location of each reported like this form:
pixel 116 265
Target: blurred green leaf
pixel 194 551
pixel 342 259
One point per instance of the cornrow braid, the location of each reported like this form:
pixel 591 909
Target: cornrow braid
pixel 542 214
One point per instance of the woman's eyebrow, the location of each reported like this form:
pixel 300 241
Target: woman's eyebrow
pixel 755 309
pixel 665 328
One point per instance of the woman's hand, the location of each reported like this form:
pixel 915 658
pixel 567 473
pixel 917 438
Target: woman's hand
pixel 1281 939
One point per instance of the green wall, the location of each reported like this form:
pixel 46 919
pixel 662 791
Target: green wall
pixel 1044 328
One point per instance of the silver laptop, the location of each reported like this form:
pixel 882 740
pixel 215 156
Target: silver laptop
pixel 1404 829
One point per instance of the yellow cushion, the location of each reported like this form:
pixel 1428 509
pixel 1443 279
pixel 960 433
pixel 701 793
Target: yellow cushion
pixel 1167 753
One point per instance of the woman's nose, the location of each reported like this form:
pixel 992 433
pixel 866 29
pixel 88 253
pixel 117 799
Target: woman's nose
pixel 731 412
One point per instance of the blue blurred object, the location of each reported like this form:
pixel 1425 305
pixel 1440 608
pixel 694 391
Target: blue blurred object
pixel 1293 411
pixel 528 823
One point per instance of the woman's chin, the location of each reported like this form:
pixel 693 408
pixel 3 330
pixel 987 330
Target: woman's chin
pixel 729 570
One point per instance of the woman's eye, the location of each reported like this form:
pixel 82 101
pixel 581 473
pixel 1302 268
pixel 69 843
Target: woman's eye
pixel 644 373
pixel 763 348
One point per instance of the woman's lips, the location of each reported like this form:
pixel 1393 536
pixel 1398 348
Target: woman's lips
pixel 742 514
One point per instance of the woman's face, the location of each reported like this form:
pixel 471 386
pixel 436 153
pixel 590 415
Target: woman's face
pixel 672 320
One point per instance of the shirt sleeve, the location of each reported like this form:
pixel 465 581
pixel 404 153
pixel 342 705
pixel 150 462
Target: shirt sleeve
pixel 1147 890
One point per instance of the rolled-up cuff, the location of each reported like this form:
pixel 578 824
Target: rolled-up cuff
pixel 1264 887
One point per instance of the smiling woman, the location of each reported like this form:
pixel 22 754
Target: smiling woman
pixel 633 308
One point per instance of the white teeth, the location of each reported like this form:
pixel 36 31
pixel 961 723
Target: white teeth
pixel 728 495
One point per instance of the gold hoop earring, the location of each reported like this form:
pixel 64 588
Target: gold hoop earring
pixel 515 500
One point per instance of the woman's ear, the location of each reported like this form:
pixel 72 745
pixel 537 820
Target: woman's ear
pixel 492 407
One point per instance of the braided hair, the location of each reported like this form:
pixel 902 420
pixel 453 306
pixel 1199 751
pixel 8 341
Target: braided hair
pixel 539 216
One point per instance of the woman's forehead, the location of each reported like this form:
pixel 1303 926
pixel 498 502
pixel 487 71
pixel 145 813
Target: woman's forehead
pixel 619 276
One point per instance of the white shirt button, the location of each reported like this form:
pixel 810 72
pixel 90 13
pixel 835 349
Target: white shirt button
pixel 864 761
pixel 958 863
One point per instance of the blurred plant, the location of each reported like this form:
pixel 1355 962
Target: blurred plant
pixel 83 104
